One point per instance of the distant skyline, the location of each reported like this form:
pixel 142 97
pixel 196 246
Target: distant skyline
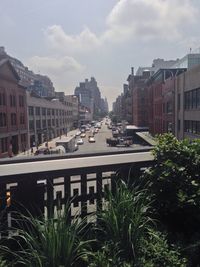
pixel 70 40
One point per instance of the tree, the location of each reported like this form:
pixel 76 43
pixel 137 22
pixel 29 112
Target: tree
pixel 175 184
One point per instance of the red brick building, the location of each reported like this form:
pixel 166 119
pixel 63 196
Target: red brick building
pixel 13 112
pixel 140 100
pixel 161 94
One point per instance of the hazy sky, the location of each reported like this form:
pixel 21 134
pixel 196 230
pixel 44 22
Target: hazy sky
pixel 70 40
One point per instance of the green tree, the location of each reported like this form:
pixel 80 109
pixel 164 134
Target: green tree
pixel 175 184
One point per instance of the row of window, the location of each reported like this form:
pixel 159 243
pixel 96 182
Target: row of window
pixel 192 127
pixel 43 111
pixel 13 119
pixel 192 99
pixel 12 100
pixel 49 123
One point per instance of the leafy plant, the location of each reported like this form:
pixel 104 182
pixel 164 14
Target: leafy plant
pixel 126 222
pixel 50 242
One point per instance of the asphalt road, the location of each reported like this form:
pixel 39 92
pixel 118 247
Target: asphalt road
pixel 100 144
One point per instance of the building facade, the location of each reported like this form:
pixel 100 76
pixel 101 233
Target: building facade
pixel 47 119
pixel 187 109
pixel 13 112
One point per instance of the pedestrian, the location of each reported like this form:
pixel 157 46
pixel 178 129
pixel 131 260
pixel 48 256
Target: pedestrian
pixel 31 150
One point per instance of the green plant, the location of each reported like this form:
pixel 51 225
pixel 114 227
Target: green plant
pixel 50 242
pixel 126 222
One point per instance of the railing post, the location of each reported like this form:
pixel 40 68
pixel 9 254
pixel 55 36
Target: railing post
pixel 83 195
pixel 99 191
pixel 50 198
pixel 67 193
pixel 3 211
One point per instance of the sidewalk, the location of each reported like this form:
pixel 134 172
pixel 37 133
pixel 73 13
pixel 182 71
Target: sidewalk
pixel 51 144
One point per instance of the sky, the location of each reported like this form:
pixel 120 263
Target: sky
pixel 70 40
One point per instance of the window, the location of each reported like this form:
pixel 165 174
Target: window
pixel 13 119
pixel 37 111
pixel 169 107
pixel 22 118
pixel 192 99
pixel 44 124
pixel 198 98
pixel 2 99
pixel 3 119
pixel 4 145
pixel 12 100
pixel 192 127
pixel 38 124
pixel 31 125
pixel 43 111
pixel 30 111
pixel 21 100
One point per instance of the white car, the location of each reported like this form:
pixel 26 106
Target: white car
pixel 78 133
pixel 91 139
pixel 83 135
pixel 80 141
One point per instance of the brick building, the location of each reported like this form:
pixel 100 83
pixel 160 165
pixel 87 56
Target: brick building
pixel 13 111
pixel 161 94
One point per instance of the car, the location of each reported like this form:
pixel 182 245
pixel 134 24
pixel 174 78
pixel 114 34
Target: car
pixel 42 151
pixel 80 141
pixel 83 135
pixel 96 130
pixel 78 133
pixel 91 139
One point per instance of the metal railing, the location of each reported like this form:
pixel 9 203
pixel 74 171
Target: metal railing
pixel 46 184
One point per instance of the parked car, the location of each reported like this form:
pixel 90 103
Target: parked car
pixel 42 151
pixel 78 133
pixel 91 139
pixel 80 141
pixel 83 135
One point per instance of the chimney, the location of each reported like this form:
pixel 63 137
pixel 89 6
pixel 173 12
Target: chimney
pixel 132 71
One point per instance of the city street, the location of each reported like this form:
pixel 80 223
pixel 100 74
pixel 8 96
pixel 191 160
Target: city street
pixel 100 144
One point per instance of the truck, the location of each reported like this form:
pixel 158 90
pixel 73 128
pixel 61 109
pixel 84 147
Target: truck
pixel 68 143
pixel 118 141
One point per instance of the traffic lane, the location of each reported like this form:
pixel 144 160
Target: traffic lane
pixel 100 144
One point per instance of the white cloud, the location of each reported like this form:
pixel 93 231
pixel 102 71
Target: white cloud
pixel 54 66
pixel 129 20
pixel 144 19
pixel 58 39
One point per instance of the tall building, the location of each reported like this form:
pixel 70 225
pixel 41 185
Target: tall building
pixel 85 96
pixel 187 104
pixel 90 97
pixel 40 84
pixel 13 111
pixel 161 99
pixel 189 61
